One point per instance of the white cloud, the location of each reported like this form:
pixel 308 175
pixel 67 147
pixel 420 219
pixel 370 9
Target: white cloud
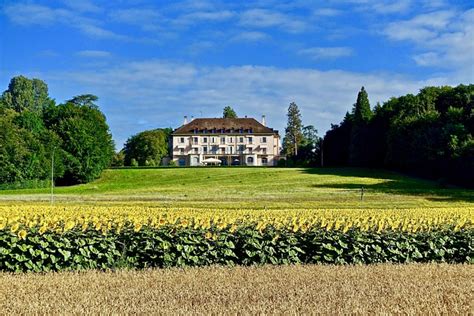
pixel 250 36
pixel 94 53
pixel 445 38
pixel 162 92
pixel 209 16
pixel 329 12
pixel 82 6
pixel 263 18
pixel 31 14
pixel 326 52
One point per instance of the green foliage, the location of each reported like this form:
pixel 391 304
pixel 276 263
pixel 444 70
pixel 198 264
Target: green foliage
pixel 119 159
pixel 361 111
pixel 33 127
pixel 429 134
pixel 87 144
pixel 171 246
pixel 147 148
pixel 293 131
pixel 229 112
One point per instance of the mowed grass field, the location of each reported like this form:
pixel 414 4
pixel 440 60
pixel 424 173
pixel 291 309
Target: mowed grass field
pixel 253 188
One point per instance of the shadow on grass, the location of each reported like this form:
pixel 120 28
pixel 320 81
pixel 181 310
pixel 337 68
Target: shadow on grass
pixel 393 183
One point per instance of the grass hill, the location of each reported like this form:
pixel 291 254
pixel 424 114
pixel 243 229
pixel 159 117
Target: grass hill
pixel 232 188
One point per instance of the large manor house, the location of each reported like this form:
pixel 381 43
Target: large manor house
pixel 225 141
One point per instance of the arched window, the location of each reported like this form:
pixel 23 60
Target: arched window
pixel 249 159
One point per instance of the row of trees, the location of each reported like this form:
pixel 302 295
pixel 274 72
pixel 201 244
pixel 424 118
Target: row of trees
pixel 35 131
pixel 429 134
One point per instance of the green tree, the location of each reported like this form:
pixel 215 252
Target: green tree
pixel 293 131
pixel 25 94
pixel 229 112
pixel 147 148
pixel 359 151
pixel 86 140
pixel 361 111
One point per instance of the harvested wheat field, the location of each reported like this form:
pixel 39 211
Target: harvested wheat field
pixel 371 289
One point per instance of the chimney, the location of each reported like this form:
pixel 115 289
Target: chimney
pixel 264 121
pixel 185 120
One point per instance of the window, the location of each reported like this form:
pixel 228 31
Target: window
pixel 195 131
pixel 195 140
pixel 196 151
pixel 241 139
pixel 215 149
pixel 230 139
pixel 264 161
pixel 241 148
pixel 213 139
pixel 250 140
pixel 181 151
pixel 264 150
pixel 223 150
pixel 230 150
pixel 204 149
pixel 204 140
pixel 205 131
pixel 250 150
pixel 264 139
pixel 250 131
pixel 241 130
pixel 181 140
pixel 249 159
pixel 222 140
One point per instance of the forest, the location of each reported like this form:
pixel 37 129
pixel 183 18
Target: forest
pixel 428 135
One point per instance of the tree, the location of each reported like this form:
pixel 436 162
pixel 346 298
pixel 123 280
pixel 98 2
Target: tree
pixel 359 152
pixel 147 148
pixel 229 112
pixel 25 94
pixel 361 111
pixel 88 100
pixel 86 140
pixel 309 150
pixel 293 131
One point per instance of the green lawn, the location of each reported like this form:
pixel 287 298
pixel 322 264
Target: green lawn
pixel 254 188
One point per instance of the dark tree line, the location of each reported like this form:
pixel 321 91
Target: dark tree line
pixel 429 134
pixel 33 129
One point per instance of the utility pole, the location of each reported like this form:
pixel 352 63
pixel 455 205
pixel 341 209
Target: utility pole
pixel 52 176
pixel 322 152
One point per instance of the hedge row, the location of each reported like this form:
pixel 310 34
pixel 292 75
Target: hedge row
pixel 172 246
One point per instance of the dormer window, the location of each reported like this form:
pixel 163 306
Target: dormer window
pixel 250 130
pixel 241 130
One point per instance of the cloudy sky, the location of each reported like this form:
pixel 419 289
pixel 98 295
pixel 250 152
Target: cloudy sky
pixel 152 62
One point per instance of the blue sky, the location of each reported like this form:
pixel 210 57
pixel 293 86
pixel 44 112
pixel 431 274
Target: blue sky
pixel 152 62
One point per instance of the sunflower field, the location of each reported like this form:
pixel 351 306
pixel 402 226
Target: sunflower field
pixel 54 238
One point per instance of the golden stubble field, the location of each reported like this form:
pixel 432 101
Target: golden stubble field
pixel 374 289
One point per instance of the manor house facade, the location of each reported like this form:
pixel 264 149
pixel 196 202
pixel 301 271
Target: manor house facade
pixel 227 141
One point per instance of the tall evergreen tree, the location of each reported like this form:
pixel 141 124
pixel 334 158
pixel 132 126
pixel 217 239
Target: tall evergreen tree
pixel 362 112
pixel 359 152
pixel 229 112
pixel 293 131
